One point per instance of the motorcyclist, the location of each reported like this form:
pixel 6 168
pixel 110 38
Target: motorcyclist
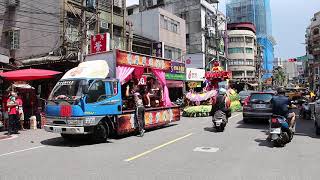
pixel 221 102
pixel 280 107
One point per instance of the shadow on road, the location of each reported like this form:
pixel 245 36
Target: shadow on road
pixel 74 142
pixel 253 124
pixel 264 142
pixel 210 129
pixel 85 140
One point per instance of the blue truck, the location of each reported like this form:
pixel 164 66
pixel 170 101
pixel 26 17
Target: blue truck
pixel 87 100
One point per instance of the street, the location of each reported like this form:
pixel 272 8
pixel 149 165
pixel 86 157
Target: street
pixel 174 152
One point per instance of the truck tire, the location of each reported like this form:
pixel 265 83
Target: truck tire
pixel 100 133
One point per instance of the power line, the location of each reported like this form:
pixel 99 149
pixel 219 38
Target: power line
pixel 49 25
pixel 35 8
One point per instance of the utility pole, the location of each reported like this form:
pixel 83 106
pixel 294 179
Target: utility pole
pixel 83 32
pixel 217 38
pixel 112 40
pixel 124 24
pixel 97 17
pixel 63 21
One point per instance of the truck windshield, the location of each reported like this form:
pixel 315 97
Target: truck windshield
pixel 68 90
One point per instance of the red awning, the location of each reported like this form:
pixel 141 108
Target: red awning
pixel 174 84
pixel 29 74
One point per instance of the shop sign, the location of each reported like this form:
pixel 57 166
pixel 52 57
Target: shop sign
pixel 195 74
pixel 181 77
pixel 177 68
pixel 100 43
pixel 195 60
pixel 132 59
pixel 143 80
pixel 158 49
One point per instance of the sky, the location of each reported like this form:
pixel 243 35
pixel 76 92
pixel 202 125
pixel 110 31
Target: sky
pixel 290 18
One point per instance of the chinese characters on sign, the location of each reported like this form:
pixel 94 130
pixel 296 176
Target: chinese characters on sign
pixel 177 68
pixel 100 43
pixel 132 59
pixel 195 74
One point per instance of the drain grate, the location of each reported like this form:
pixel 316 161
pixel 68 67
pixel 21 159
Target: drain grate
pixel 206 149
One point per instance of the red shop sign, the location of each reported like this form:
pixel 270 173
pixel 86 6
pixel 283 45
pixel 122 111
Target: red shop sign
pixel 143 81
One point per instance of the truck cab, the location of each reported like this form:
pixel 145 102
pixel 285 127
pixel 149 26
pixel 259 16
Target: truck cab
pixel 79 106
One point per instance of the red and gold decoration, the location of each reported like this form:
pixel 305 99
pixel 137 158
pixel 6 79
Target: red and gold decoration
pixel 218 72
pixel 133 59
pixel 126 123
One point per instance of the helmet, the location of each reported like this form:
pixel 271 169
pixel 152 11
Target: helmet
pixel 281 90
pixel 222 91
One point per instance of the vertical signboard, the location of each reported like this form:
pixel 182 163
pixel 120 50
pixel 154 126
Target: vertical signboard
pixel 100 43
pixel 158 49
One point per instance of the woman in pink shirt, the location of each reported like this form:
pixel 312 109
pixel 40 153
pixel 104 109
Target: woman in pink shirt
pixel 13 114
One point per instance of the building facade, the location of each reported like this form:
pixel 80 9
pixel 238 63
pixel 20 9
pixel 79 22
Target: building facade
pixel 257 12
pixel 164 28
pixel 48 31
pixel 242 52
pixel 202 44
pixel 313 51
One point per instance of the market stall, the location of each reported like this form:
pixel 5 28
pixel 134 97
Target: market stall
pixel 20 82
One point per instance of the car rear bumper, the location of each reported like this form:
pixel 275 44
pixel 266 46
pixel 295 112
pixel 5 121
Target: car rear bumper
pixel 257 115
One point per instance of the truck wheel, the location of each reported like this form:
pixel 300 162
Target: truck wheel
pixel 100 133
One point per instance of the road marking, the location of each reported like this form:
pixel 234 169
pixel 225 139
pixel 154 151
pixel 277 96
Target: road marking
pixel 206 149
pixel 235 116
pixel 156 148
pixel 13 152
pixel 12 137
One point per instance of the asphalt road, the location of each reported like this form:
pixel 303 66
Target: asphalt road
pixel 174 152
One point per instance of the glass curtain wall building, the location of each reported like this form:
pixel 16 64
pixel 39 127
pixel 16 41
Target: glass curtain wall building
pixel 257 12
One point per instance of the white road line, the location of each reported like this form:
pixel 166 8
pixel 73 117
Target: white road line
pixel 12 137
pixel 235 115
pixel 13 152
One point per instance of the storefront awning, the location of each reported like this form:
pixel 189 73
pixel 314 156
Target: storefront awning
pixel 174 84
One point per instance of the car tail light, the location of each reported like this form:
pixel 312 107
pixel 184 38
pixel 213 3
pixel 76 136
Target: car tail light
pixel 66 111
pixel 247 101
pixel 274 120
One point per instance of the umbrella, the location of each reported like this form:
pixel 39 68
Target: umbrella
pixel 28 74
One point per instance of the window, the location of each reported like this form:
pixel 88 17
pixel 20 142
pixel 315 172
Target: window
pixel 169 24
pixel 250 62
pixel 250 73
pixel 249 50
pixel 172 53
pixel 235 50
pixel 13 39
pixel 236 39
pixel 187 39
pixel 97 92
pixel 249 40
pixel 316 31
pixel 237 73
pixel 316 71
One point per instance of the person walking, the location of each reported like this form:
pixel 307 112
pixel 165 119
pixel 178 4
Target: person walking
pixel 13 114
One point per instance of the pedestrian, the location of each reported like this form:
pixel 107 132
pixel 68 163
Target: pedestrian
pixel 13 114
pixel 20 111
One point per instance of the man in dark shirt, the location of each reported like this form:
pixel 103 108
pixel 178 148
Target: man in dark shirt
pixel 280 106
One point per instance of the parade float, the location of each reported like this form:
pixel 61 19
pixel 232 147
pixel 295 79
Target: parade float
pixel 198 104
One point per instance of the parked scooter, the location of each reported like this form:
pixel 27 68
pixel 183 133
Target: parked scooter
pixel 220 120
pixel 280 133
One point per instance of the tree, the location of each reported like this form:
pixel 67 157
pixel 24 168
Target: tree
pixel 279 76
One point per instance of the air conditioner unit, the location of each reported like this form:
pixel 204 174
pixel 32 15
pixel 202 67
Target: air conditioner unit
pixel 104 25
pixel 12 3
